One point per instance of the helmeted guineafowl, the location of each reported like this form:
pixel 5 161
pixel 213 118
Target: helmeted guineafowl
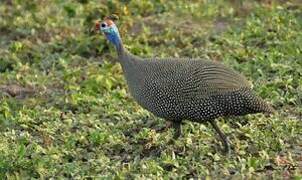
pixel 184 89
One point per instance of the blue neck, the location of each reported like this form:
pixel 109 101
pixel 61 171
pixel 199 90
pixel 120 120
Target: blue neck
pixel 114 39
pixel 113 36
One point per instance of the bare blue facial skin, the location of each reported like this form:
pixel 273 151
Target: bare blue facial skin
pixel 112 34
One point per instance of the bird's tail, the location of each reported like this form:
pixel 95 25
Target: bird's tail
pixel 264 107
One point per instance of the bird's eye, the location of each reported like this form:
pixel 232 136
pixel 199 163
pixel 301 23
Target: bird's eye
pixel 103 25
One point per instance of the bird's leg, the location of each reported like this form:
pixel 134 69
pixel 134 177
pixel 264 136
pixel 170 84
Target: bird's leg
pixel 223 137
pixel 177 129
pixel 176 125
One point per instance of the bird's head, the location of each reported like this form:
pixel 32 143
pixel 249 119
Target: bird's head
pixel 109 29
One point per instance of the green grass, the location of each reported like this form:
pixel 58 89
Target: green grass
pixel 65 110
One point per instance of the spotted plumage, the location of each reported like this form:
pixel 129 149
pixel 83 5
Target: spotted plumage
pixel 185 89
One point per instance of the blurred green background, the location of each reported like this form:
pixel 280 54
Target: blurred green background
pixel 65 111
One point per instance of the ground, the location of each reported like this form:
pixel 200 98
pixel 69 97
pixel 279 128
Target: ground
pixel 65 110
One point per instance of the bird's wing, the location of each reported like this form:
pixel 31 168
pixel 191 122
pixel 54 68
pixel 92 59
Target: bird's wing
pixel 191 79
pixel 210 78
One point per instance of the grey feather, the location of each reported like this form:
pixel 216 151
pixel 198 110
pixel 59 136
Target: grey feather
pixel 193 89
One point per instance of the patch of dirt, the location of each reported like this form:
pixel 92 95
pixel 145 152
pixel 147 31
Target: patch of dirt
pixel 221 25
pixel 156 27
pixel 4 31
pixel 17 91
pixel 8 2
pixel 150 151
pixel 185 25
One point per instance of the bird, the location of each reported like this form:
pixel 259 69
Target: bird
pixel 179 89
